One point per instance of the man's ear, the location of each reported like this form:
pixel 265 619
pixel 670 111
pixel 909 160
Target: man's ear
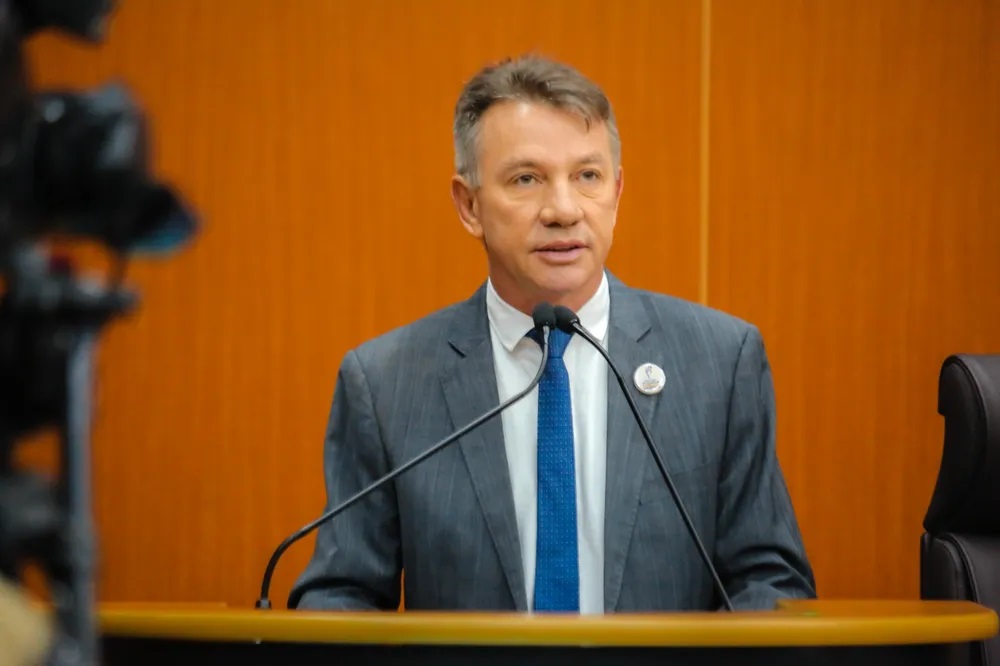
pixel 464 196
pixel 619 184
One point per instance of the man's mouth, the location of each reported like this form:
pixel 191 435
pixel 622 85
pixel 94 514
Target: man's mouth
pixel 561 246
pixel 561 252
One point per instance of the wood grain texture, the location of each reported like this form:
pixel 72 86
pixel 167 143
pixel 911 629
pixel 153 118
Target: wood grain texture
pixel 314 138
pixel 855 217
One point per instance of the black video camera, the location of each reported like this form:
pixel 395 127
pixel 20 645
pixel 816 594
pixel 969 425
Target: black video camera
pixel 76 165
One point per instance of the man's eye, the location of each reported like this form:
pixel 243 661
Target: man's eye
pixel 590 175
pixel 524 179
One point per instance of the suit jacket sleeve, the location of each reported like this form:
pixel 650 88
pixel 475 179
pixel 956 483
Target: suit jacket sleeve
pixel 759 550
pixel 356 561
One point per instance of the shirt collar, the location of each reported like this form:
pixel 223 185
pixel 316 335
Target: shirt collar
pixel 510 325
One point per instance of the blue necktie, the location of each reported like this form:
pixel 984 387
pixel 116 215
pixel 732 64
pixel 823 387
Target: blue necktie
pixel 557 581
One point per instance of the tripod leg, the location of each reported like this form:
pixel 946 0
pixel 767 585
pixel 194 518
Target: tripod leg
pixel 75 600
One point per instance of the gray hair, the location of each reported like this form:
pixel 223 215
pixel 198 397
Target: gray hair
pixel 533 79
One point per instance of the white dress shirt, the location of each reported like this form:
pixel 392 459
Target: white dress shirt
pixel 516 360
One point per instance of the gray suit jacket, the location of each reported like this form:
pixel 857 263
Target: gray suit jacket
pixel 450 523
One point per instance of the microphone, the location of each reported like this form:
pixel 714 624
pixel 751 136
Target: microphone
pixel 568 322
pixel 545 320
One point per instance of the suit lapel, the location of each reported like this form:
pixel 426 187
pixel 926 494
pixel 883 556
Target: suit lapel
pixel 627 454
pixel 470 390
pixel 469 385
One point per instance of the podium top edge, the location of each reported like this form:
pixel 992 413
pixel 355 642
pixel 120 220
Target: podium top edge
pixel 792 623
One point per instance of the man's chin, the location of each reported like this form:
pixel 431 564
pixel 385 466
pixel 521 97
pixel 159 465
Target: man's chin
pixel 567 287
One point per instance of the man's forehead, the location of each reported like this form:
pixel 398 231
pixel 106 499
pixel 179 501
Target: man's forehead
pixel 542 157
pixel 523 133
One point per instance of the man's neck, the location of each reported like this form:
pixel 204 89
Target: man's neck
pixel 526 303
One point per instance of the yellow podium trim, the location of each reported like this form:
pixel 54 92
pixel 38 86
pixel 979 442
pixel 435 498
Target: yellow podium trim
pixel 793 623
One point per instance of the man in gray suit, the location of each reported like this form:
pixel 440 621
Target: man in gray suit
pixel 556 505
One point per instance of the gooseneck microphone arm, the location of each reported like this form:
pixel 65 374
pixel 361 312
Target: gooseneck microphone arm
pixel 569 322
pixel 544 318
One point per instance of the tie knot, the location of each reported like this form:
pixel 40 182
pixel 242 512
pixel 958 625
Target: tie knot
pixel 558 340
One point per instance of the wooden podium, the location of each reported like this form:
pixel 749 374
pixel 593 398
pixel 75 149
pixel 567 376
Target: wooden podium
pixel 814 633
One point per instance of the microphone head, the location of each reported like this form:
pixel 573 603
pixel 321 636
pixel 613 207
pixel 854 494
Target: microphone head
pixel 544 315
pixel 566 319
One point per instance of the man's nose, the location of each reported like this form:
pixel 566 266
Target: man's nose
pixel 561 206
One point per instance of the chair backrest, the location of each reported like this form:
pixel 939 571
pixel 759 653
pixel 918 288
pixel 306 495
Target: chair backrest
pixel 960 550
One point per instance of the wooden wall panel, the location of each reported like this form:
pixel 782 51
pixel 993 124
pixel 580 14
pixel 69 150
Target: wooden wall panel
pixel 855 216
pixel 849 196
pixel 314 139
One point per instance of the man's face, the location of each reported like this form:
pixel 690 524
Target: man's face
pixel 546 205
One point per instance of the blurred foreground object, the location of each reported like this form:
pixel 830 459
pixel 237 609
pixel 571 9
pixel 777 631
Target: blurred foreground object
pixel 25 632
pixel 72 165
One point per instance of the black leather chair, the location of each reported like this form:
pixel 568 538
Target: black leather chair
pixel 960 550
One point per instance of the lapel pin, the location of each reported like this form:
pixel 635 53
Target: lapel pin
pixel 649 378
